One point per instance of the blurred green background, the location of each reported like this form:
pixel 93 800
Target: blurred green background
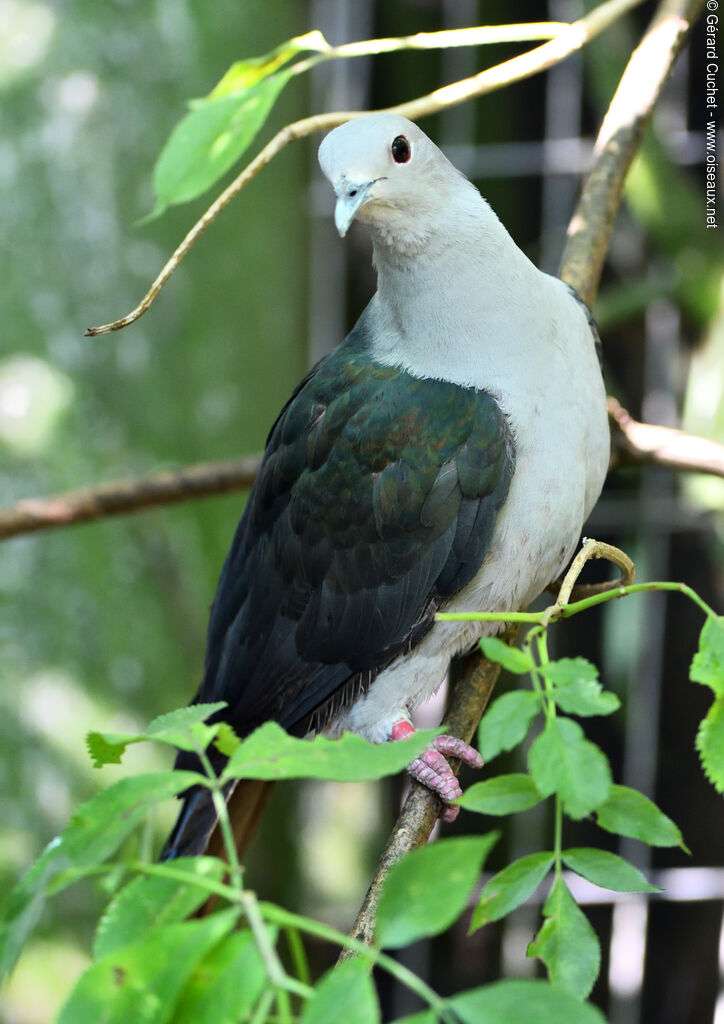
pixel 102 626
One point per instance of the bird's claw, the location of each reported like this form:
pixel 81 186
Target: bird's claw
pixel 432 769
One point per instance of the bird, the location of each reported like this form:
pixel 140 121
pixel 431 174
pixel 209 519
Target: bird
pixel 444 457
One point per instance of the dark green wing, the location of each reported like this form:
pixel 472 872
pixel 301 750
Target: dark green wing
pixel 376 499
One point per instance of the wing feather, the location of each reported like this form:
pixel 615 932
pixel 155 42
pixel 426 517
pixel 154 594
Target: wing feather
pixel 377 498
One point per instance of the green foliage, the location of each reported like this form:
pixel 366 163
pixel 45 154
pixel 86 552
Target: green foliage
pixel 148 903
pixel 95 832
pixel 345 993
pixel 576 688
pixel 507 722
pixel 210 139
pixel 244 74
pixel 511 887
pixel 428 890
pixel 503 794
pixel 567 943
pixel 225 984
pixel 510 658
pixel 563 761
pixel 629 813
pixel 708 664
pixel 142 981
pixel 270 753
pixel 219 128
pixel 423 894
pixel 184 729
pixel 710 744
pixel 532 1002
pixel 153 965
pixel 708 668
pixel 607 870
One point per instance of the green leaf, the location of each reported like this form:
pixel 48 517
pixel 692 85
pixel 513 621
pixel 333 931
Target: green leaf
pixel 248 72
pixel 523 1002
pixel 562 760
pixel 429 888
pixel 577 690
pixel 183 729
pixel 505 794
pixel 708 664
pixel 270 753
pixel 225 985
pixel 511 887
pixel 210 138
pixel 629 813
pixel 710 744
pixel 95 831
pixel 345 993
pixel 567 944
pixel 141 983
pixel 226 739
pixel 511 658
pixel 424 1017
pixel 151 902
pixel 607 870
pixel 506 722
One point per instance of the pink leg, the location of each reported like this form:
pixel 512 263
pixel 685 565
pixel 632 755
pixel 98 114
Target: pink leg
pixel 432 769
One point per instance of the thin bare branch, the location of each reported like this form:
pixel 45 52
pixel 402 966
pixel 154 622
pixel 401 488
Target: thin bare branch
pixel 124 496
pixel 481 35
pixel 570 39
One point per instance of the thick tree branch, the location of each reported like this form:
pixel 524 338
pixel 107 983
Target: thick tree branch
pixel 473 681
pixel 646 442
pixel 632 442
pixel 591 228
pixel 124 496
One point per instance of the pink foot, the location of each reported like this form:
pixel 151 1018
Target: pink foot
pixel 432 769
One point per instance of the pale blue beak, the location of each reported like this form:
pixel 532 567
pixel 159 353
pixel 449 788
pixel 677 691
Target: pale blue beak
pixel 349 199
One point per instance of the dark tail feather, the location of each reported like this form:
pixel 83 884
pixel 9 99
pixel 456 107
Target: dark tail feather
pixel 246 805
pixel 190 835
pixel 195 831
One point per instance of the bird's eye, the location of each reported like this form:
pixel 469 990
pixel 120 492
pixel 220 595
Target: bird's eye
pixel 400 150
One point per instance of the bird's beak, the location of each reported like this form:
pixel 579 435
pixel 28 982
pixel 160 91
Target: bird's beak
pixel 349 199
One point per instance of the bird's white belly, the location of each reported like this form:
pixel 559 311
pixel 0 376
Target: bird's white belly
pixel 562 450
pixel 521 562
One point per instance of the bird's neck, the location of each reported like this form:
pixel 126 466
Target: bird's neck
pixel 456 304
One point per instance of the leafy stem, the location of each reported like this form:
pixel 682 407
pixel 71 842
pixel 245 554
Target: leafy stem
pixel 257 912
pixel 286 918
pixel 555 612
pixel 222 814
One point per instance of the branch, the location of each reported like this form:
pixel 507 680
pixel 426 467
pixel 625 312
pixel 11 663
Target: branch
pixel 570 39
pixel 633 441
pixel 590 231
pixel 121 497
pixel 476 678
pixel 645 442
pixel 629 112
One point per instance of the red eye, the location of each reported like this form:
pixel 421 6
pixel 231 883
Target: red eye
pixel 400 150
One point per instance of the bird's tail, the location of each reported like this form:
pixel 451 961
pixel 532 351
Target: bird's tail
pixel 196 830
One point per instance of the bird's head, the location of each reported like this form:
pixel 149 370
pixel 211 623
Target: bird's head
pixel 388 175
